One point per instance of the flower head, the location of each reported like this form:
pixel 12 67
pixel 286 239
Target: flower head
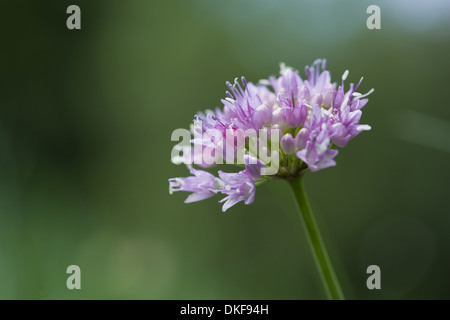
pixel 307 117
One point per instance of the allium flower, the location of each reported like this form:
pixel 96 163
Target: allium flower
pixel 308 117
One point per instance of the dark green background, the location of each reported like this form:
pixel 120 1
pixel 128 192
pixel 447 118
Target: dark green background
pixel 85 123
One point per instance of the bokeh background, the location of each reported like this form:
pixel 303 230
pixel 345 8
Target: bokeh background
pixel 85 123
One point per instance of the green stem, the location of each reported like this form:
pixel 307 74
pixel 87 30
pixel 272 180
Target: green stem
pixel 323 262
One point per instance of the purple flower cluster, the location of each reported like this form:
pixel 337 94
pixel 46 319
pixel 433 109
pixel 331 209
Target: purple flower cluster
pixel 312 115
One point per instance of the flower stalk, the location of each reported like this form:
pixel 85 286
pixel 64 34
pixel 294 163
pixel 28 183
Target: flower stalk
pixel 323 262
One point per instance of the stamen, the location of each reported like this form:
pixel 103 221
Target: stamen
pixel 215 118
pixel 344 103
pixel 244 82
pixel 357 86
pixel 344 76
pixel 317 61
pixel 351 87
pixel 366 94
pixel 317 68
pixel 308 72
pixel 261 107
pixel 236 83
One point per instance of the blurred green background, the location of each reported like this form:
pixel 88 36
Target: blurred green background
pixel 85 123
